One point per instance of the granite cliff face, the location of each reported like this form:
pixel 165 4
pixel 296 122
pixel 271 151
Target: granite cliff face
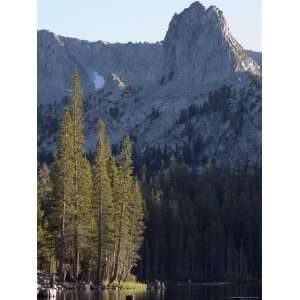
pixel 199 48
pixel 198 86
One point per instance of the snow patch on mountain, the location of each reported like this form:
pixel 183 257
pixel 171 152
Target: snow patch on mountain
pixel 98 81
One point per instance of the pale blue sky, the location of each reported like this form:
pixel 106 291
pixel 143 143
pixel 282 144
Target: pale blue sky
pixel 141 20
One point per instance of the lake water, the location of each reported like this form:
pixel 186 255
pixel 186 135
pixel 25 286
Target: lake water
pixel 203 293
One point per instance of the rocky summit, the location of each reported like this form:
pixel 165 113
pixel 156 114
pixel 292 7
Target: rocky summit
pixel 199 48
pixel 197 91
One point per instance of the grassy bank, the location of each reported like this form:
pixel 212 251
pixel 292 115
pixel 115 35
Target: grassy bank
pixel 125 285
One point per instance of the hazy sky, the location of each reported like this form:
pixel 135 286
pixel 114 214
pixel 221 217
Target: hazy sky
pixel 141 20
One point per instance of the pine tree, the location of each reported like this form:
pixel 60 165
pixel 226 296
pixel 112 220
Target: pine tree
pixel 85 212
pixel 62 194
pixel 81 198
pixel 136 225
pixel 72 182
pixel 123 189
pixel 44 237
pixel 129 216
pixel 103 204
pixel 119 208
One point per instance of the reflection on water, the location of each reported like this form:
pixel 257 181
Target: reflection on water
pixel 203 293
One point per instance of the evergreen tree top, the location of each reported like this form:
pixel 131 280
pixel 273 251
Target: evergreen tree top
pixel 101 129
pixel 76 94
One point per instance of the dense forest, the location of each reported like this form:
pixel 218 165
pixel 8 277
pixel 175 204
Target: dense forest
pixel 202 227
pixel 116 215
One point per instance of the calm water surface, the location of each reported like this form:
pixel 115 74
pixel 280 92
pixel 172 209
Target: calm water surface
pixel 203 293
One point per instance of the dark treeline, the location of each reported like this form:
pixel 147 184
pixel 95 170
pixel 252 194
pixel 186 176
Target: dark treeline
pixel 177 221
pixel 202 227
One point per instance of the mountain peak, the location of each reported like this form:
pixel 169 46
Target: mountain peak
pixel 197 13
pixel 200 8
pixel 202 35
pixel 196 5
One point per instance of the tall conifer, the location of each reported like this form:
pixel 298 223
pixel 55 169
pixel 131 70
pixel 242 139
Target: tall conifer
pixel 103 204
pixel 72 180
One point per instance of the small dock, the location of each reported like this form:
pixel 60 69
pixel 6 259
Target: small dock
pixel 46 287
pixel 48 293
